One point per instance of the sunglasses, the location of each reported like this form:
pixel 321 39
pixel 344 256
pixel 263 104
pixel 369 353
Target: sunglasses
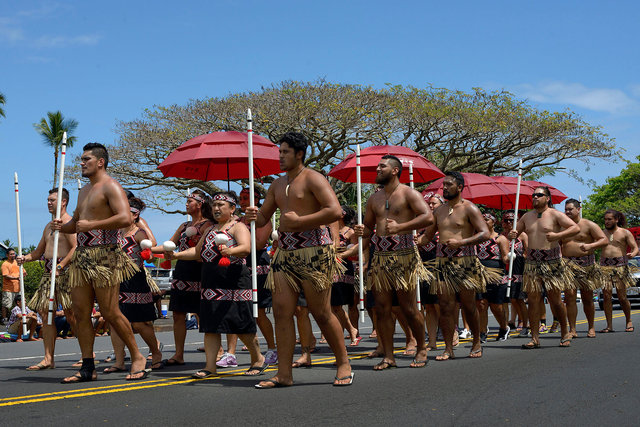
pixel 538 195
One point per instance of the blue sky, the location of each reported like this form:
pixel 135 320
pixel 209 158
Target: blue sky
pixel 103 62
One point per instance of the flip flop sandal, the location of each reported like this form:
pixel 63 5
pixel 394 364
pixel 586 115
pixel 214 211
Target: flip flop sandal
pixel 39 367
pixel 355 342
pixel 260 370
pixel 202 374
pixel 172 362
pixel 629 329
pixel 418 363
pixel 382 366
pixel 80 377
pixel 445 356
pixel 530 345
pixel 144 372
pixel 474 352
pixel 301 365
pixel 112 369
pixel 348 377
pixel 156 368
pixel 606 331
pixel 564 341
pixel 275 383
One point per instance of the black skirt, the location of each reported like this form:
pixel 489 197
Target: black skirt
pixel 225 301
pixel 185 287
pixel 263 260
pixel 343 291
pixel 136 300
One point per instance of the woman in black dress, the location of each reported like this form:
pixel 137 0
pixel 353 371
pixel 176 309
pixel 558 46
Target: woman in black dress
pixel 185 287
pixel 225 297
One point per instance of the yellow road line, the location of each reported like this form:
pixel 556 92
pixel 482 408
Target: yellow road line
pixel 141 385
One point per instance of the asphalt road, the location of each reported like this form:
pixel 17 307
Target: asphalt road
pixel 595 382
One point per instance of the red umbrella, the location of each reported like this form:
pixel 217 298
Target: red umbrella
pixel 526 190
pixel 423 169
pixel 480 189
pixel 221 155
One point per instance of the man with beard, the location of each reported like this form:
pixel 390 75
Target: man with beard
pixel 99 265
pixel 579 252
pixel 395 264
pixel 459 272
pixel 40 300
pixel 544 269
pixel 614 262
pixel 305 259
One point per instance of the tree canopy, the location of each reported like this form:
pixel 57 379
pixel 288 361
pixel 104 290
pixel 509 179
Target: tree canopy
pixel 621 193
pixel 480 131
pixel 52 132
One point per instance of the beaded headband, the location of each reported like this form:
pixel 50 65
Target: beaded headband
pixel 489 216
pixel 196 197
pixel 134 210
pixel 225 198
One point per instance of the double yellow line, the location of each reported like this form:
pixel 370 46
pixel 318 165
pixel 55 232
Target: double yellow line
pixel 141 385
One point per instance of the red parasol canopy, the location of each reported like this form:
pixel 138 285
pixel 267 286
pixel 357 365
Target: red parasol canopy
pixel 526 190
pixel 423 169
pixel 221 155
pixel 480 189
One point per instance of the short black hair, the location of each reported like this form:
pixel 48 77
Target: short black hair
pixel 129 193
pixel 17 298
pixel 136 203
pixel 574 202
pixel 349 214
pixel 297 141
pixel 457 176
pixel 65 193
pixel 98 150
pixel 395 162
pixel 547 193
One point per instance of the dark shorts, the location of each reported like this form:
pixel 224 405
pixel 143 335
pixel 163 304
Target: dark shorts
pixel 425 296
pixel 516 291
pixel 496 294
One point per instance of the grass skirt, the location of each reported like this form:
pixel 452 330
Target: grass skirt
pixel 100 266
pixel 315 264
pixel 617 276
pixel 587 277
pixel 464 273
pixel 551 275
pixel 396 270
pixel 40 300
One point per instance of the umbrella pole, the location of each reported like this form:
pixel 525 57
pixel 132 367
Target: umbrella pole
pixel 515 224
pixel 254 274
pixel 21 273
pixel 360 256
pixel 418 296
pixel 56 234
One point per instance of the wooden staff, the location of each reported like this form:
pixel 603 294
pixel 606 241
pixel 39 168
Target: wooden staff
pixel 254 275
pixel 360 256
pixel 512 254
pixel 21 270
pixel 414 236
pixel 56 234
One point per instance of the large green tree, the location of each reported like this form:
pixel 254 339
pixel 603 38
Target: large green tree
pixel 52 129
pixel 485 132
pixel 621 193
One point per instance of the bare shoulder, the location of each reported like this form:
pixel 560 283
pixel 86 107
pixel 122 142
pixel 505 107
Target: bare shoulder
pixel 470 208
pixel 316 178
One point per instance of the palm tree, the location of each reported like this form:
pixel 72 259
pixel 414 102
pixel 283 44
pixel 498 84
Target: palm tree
pixel 52 131
pixel 2 102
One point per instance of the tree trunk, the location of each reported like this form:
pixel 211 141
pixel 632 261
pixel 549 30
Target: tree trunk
pixel 55 166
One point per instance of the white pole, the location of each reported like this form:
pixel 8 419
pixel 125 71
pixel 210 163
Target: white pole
pixel 56 234
pixel 418 297
pixel 515 224
pixel 254 267
pixel 580 206
pixel 79 185
pixel 21 270
pixel 360 256
pixel 188 195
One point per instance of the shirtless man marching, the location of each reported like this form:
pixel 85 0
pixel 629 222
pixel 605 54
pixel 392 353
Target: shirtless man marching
pixel 395 265
pixel 614 262
pixel 579 251
pixel 461 227
pixel 40 300
pixel 544 269
pixel 99 265
pixel 305 259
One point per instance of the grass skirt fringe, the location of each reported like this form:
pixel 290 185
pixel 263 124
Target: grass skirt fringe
pixel 397 270
pixel 464 273
pixel 315 264
pixel 40 300
pixel 100 266
pixel 621 274
pixel 152 283
pixel 587 278
pixel 551 275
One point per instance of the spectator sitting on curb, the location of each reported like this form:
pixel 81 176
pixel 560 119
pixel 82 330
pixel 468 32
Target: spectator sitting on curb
pixel 15 321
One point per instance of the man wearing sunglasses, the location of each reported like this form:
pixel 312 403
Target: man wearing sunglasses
pixel 544 269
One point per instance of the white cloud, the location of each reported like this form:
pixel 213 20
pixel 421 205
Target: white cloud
pixel 9 31
pixel 64 41
pixel 576 94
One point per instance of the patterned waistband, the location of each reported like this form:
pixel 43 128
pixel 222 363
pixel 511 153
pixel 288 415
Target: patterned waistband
pixel 614 262
pixel 544 254
pixel 392 243
pixel 442 251
pixel 185 285
pixel 516 278
pixel 226 294
pixel 583 261
pixel 48 264
pixel 290 240
pixel 135 298
pixel 261 270
pixel 98 238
